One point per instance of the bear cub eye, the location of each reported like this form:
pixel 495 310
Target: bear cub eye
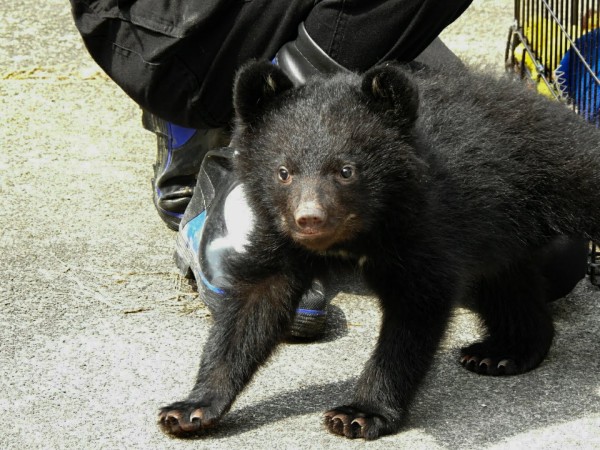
pixel 347 172
pixel 284 175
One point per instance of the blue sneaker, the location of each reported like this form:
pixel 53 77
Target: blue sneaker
pixel 216 224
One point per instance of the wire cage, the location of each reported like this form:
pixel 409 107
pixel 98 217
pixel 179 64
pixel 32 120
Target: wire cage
pixel 555 46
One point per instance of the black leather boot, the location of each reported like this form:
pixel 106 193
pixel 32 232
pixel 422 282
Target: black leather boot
pixel 303 58
pixel 179 155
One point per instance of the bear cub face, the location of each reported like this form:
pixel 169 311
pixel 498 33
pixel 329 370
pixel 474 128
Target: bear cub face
pixel 331 158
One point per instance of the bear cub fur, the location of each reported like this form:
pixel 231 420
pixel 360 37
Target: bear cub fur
pixel 441 186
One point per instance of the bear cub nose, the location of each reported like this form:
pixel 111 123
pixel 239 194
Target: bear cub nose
pixel 310 216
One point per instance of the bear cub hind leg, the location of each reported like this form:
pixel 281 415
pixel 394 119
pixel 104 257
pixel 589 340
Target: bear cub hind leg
pixel 512 305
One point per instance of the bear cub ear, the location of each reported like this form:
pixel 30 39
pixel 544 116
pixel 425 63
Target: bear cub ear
pixel 392 92
pixel 257 83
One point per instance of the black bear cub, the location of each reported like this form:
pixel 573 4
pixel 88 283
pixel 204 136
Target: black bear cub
pixel 441 186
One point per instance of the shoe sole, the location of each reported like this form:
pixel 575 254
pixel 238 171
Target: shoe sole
pixel 308 326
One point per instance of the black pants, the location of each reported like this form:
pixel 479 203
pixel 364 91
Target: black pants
pixel 178 58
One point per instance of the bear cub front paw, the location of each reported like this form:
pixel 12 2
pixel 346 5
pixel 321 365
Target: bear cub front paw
pixel 353 423
pixel 186 419
pixel 488 358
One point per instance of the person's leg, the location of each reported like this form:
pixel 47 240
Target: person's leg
pixel 178 60
pixel 179 63
pixel 359 34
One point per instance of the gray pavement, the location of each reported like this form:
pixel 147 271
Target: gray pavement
pixel 97 330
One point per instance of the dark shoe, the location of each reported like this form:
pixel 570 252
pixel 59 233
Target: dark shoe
pixel 215 226
pixel 302 58
pixel 179 154
pixel 311 315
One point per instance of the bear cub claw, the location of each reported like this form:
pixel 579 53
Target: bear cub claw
pixel 488 366
pixel 352 423
pixel 183 419
pixel 484 360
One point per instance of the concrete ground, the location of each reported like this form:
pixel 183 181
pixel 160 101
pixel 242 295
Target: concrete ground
pixel 97 330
